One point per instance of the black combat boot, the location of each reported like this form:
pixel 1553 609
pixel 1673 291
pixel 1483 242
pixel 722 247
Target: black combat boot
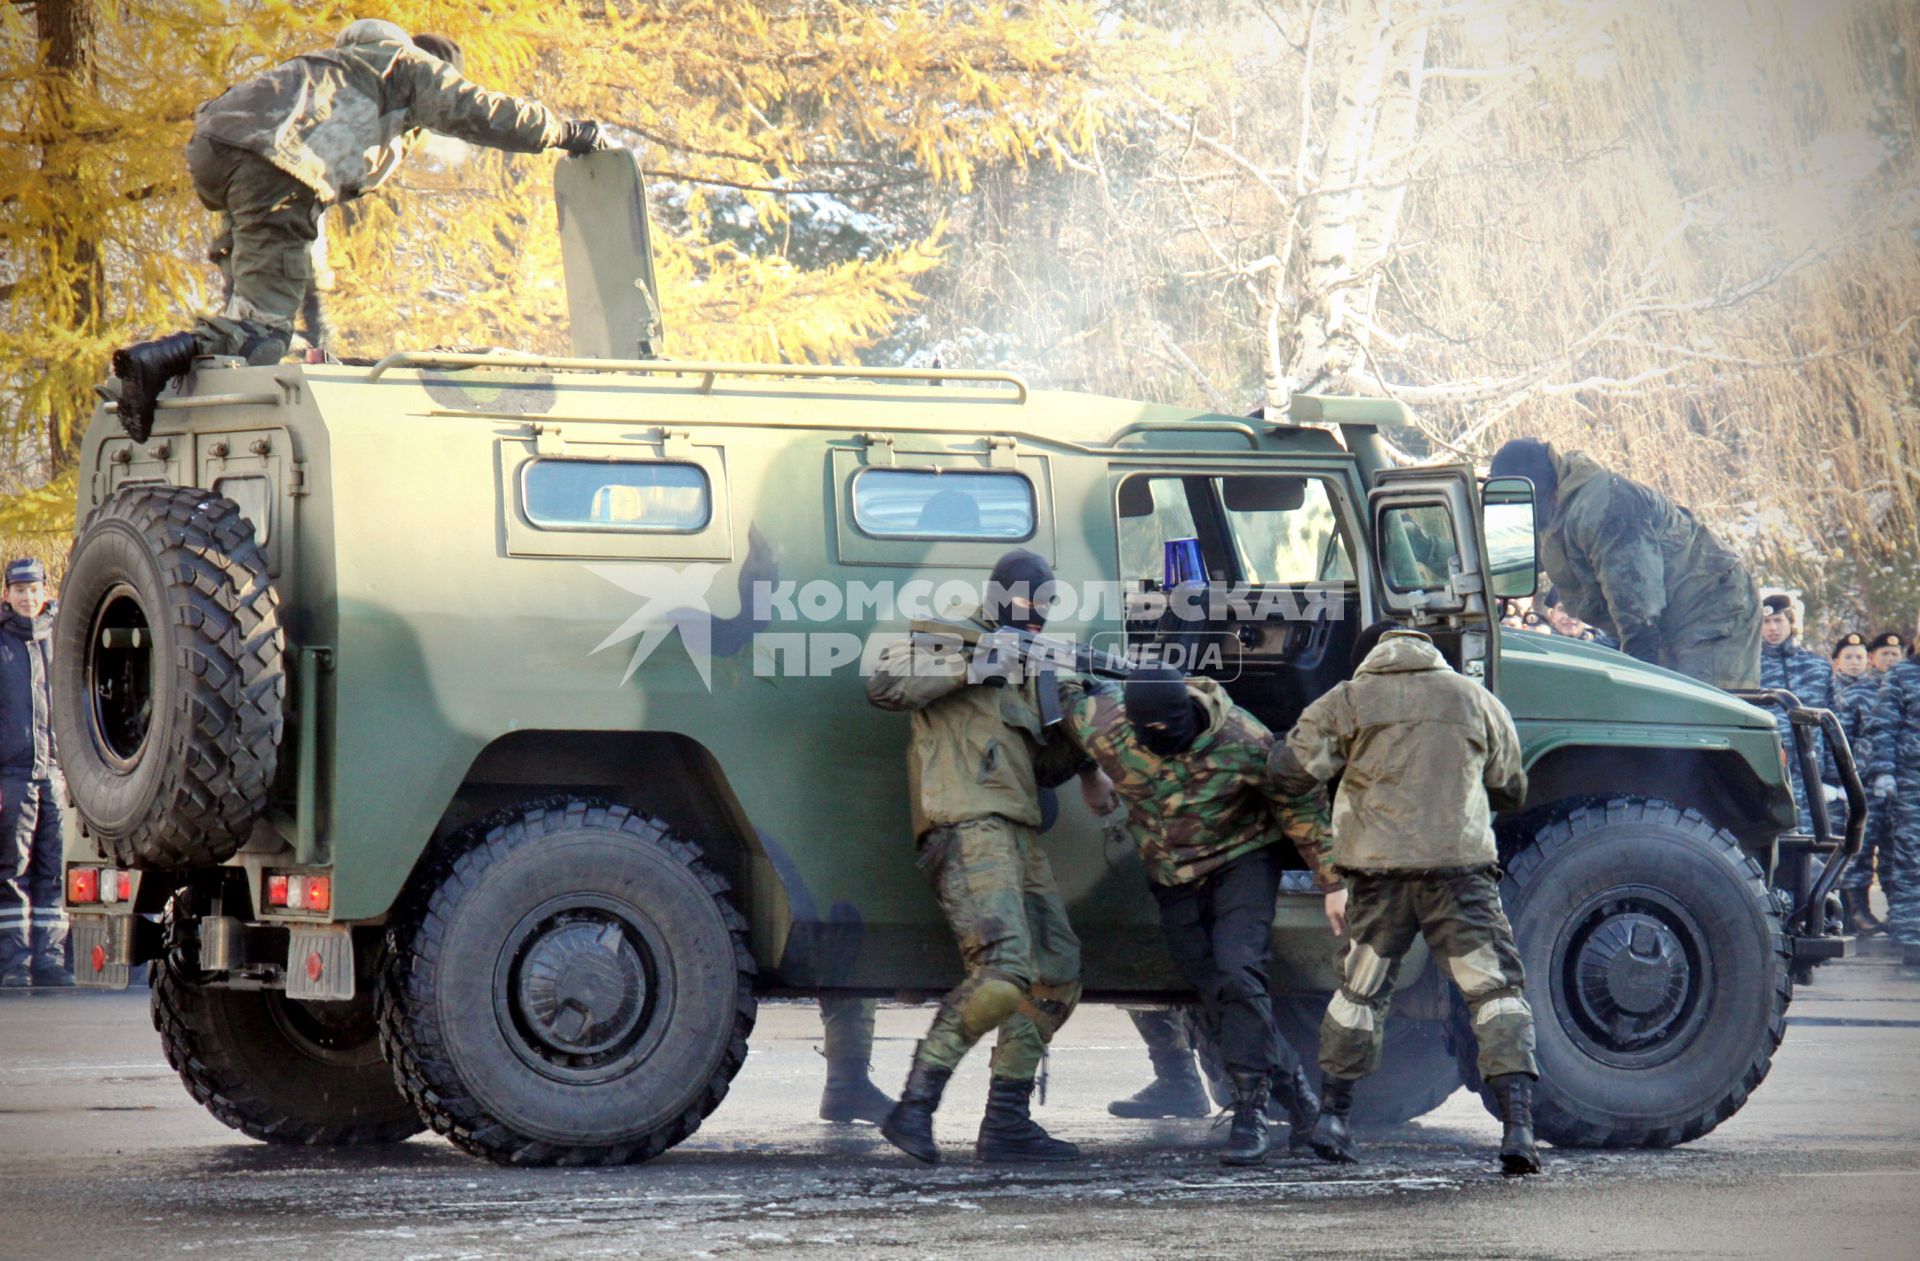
pixel 1175 1091
pixel 851 1095
pixel 1247 1141
pixel 909 1125
pixel 1859 913
pixel 1007 1133
pixel 1517 1153
pixel 1330 1138
pixel 1292 1101
pixel 144 369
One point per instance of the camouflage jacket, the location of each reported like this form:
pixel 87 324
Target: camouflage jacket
pixel 1809 676
pixel 1631 562
pixel 972 748
pixel 1422 752
pixel 1193 813
pixel 1853 701
pixel 338 120
pixel 1893 731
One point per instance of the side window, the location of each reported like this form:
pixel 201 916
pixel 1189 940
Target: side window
pixel 898 503
pixel 650 496
pixel 1417 547
pixel 1152 511
pixel 1286 530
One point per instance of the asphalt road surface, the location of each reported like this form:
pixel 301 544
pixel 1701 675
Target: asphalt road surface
pixel 102 1153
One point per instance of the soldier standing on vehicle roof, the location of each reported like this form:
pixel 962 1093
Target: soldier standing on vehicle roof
pixel 1630 561
pixel 1855 688
pixel 1421 752
pixel 1190 767
pixel 1893 779
pixel 971 772
pixel 273 153
pixel 33 922
pixel 1805 673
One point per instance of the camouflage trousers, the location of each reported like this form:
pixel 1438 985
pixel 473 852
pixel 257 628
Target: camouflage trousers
pixel 846 1026
pixel 1467 931
pixel 268 223
pixel 1023 960
pixel 1900 866
pixel 1718 637
pixel 1876 850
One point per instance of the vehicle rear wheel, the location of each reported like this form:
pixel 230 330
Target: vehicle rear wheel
pixel 571 986
pixel 1657 968
pixel 1417 1072
pixel 277 1069
pixel 169 682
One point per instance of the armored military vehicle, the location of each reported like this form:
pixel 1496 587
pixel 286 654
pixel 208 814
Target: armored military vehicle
pixel 470 740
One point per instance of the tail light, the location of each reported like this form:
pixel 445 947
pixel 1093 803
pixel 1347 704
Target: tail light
pixel 295 892
pixel 83 885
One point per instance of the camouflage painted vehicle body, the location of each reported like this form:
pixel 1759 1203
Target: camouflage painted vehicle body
pixel 455 651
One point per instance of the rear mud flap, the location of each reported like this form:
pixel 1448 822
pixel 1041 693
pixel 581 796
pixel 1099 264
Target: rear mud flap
pixel 102 950
pixel 320 963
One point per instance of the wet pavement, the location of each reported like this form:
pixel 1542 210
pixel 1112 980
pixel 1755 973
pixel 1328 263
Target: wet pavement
pixel 102 1153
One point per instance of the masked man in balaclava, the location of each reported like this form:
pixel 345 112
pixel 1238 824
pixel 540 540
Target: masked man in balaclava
pixel 1629 560
pixel 972 773
pixel 1190 767
pixel 273 153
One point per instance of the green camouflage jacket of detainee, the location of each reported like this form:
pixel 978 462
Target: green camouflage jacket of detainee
pixel 1193 813
pixel 337 119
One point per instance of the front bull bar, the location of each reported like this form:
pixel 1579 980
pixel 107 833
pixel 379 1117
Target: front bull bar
pixel 1808 920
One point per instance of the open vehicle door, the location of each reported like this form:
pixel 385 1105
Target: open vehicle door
pixel 1434 566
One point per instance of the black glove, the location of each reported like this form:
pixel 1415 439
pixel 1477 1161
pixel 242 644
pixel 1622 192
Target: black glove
pixel 583 135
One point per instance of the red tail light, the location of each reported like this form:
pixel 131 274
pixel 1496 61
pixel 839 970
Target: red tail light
pixel 319 893
pixel 126 886
pixel 276 890
pixel 83 884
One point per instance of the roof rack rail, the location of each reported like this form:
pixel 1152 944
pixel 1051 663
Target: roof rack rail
pixel 710 371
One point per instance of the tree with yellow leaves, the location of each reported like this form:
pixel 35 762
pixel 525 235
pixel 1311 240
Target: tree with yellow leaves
pixel 741 110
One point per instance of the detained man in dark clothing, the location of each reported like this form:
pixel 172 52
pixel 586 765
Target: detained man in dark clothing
pixel 33 923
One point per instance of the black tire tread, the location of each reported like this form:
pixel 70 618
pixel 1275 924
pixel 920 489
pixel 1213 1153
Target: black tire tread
pixel 178 1007
pixel 225 616
pixel 413 1044
pixel 1567 827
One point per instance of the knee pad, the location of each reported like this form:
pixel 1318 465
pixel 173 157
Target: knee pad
pixel 1048 1005
pixel 989 1005
pixel 1478 972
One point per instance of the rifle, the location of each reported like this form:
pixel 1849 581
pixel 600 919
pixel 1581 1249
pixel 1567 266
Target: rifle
pixel 1011 654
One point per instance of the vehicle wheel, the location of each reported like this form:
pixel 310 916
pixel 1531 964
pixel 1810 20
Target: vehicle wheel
pixel 1417 1072
pixel 277 1069
pixel 1658 971
pixel 169 680
pixel 571 986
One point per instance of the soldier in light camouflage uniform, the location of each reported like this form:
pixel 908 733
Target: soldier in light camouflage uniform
pixel 974 786
pixel 1893 778
pixel 273 153
pixel 1422 752
pixel 1190 767
pixel 1626 559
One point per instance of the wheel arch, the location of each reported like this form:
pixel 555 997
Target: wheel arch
pixel 1719 783
pixel 667 775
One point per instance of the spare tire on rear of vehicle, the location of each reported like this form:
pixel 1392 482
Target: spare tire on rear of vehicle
pixel 169 683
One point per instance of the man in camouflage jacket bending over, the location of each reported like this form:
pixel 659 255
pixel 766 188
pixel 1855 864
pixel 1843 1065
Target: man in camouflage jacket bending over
pixel 971 772
pixel 1190 767
pixel 273 153
pixel 1422 752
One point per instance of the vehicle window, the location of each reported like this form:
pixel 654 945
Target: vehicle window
pixel 616 495
pixel 254 495
pixel 1418 547
pixel 1285 529
pixel 1152 511
pixel 943 504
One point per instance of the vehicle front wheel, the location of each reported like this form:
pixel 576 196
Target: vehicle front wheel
pixel 1657 968
pixel 573 987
